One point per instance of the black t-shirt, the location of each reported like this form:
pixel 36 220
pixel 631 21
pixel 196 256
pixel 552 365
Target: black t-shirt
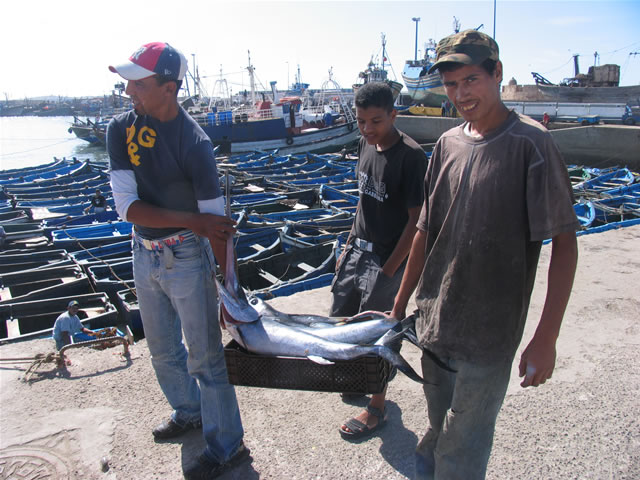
pixel 389 183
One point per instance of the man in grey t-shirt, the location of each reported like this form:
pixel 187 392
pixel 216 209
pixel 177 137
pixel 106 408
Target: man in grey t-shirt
pixel 495 188
pixel 68 327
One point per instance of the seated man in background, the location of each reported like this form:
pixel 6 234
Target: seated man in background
pixel 68 326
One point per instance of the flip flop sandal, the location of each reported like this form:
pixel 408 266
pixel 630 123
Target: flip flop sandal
pixel 361 430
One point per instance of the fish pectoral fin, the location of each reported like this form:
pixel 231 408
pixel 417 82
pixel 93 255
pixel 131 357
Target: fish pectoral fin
pixel 319 360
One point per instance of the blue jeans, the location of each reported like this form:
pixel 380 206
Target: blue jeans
pixel 177 294
pixel 462 408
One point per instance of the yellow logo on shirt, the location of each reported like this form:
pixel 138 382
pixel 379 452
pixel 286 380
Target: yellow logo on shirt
pixel 146 138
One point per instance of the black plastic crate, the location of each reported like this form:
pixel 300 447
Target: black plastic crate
pixel 363 375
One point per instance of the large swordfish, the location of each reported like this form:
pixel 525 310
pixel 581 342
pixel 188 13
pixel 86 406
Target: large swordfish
pixel 261 329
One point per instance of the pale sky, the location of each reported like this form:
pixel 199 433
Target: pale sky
pixel 64 47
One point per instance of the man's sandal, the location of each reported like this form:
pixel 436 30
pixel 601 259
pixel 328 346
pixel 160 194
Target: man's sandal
pixel 359 429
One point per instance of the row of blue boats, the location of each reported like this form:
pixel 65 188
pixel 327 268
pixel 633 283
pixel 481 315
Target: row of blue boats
pixel 293 214
pixel 606 198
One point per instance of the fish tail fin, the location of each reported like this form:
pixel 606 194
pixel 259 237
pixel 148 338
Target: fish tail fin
pixel 399 362
pixel 400 330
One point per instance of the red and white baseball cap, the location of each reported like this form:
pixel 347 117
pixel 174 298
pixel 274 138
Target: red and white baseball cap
pixel 156 58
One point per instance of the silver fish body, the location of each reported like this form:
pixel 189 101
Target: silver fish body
pixel 261 329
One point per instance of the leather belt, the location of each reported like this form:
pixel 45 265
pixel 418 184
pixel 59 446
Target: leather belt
pixel 363 244
pixel 172 240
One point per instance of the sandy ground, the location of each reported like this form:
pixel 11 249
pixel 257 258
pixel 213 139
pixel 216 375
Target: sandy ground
pixel 582 424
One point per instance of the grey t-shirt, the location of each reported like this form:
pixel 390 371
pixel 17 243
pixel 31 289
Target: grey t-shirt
pixel 489 203
pixel 66 323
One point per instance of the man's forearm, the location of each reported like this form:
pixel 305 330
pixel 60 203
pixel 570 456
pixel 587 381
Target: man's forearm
pixel 562 268
pixel 147 215
pixel 415 265
pixel 403 247
pixel 204 224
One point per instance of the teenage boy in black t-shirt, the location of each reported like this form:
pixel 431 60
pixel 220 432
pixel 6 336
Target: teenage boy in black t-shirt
pixel 390 173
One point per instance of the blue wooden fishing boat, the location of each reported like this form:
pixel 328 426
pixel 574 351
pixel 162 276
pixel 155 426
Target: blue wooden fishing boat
pixel 111 251
pixel 130 310
pixel 65 221
pixel 49 187
pixel 91 236
pixel 267 164
pixel 91 132
pixel 14 261
pixel 18 231
pixel 586 213
pixel 618 178
pixel 250 200
pixel 15 216
pixel 330 178
pixel 616 209
pixel 20 282
pixel 633 190
pixel 110 278
pixel 65 191
pixel 289 288
pixel 342 199
pixel 301 236
pixel 55 174
pixel 70 287
pixel 247 221
pixel 52 202
pixel 290 268
pixel 19 172
pixel 256 245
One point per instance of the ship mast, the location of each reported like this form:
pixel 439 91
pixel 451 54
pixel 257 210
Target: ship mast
pixel 415 54
pixel 384 52
pixel 252 81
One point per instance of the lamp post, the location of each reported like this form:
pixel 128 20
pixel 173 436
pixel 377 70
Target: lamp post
pixel 494 19
pixel 415 54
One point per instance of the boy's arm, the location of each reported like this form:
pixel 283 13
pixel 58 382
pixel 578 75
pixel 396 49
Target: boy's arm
pixel 403 246
pixel 412 273
pixel 538 359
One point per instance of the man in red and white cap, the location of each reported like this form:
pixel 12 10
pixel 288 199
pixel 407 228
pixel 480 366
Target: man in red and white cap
pixel 165 181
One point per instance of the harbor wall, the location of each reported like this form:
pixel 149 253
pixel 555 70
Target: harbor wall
pixel 600 145
pixel 425 129
pixel 522 93
pixel 593 146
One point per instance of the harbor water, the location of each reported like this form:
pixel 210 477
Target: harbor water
pixel 31 141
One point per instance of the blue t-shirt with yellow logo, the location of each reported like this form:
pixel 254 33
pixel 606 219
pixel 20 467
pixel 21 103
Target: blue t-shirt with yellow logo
pixel 173 162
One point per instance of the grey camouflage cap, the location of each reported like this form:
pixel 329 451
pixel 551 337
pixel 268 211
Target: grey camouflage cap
pixel 469 47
